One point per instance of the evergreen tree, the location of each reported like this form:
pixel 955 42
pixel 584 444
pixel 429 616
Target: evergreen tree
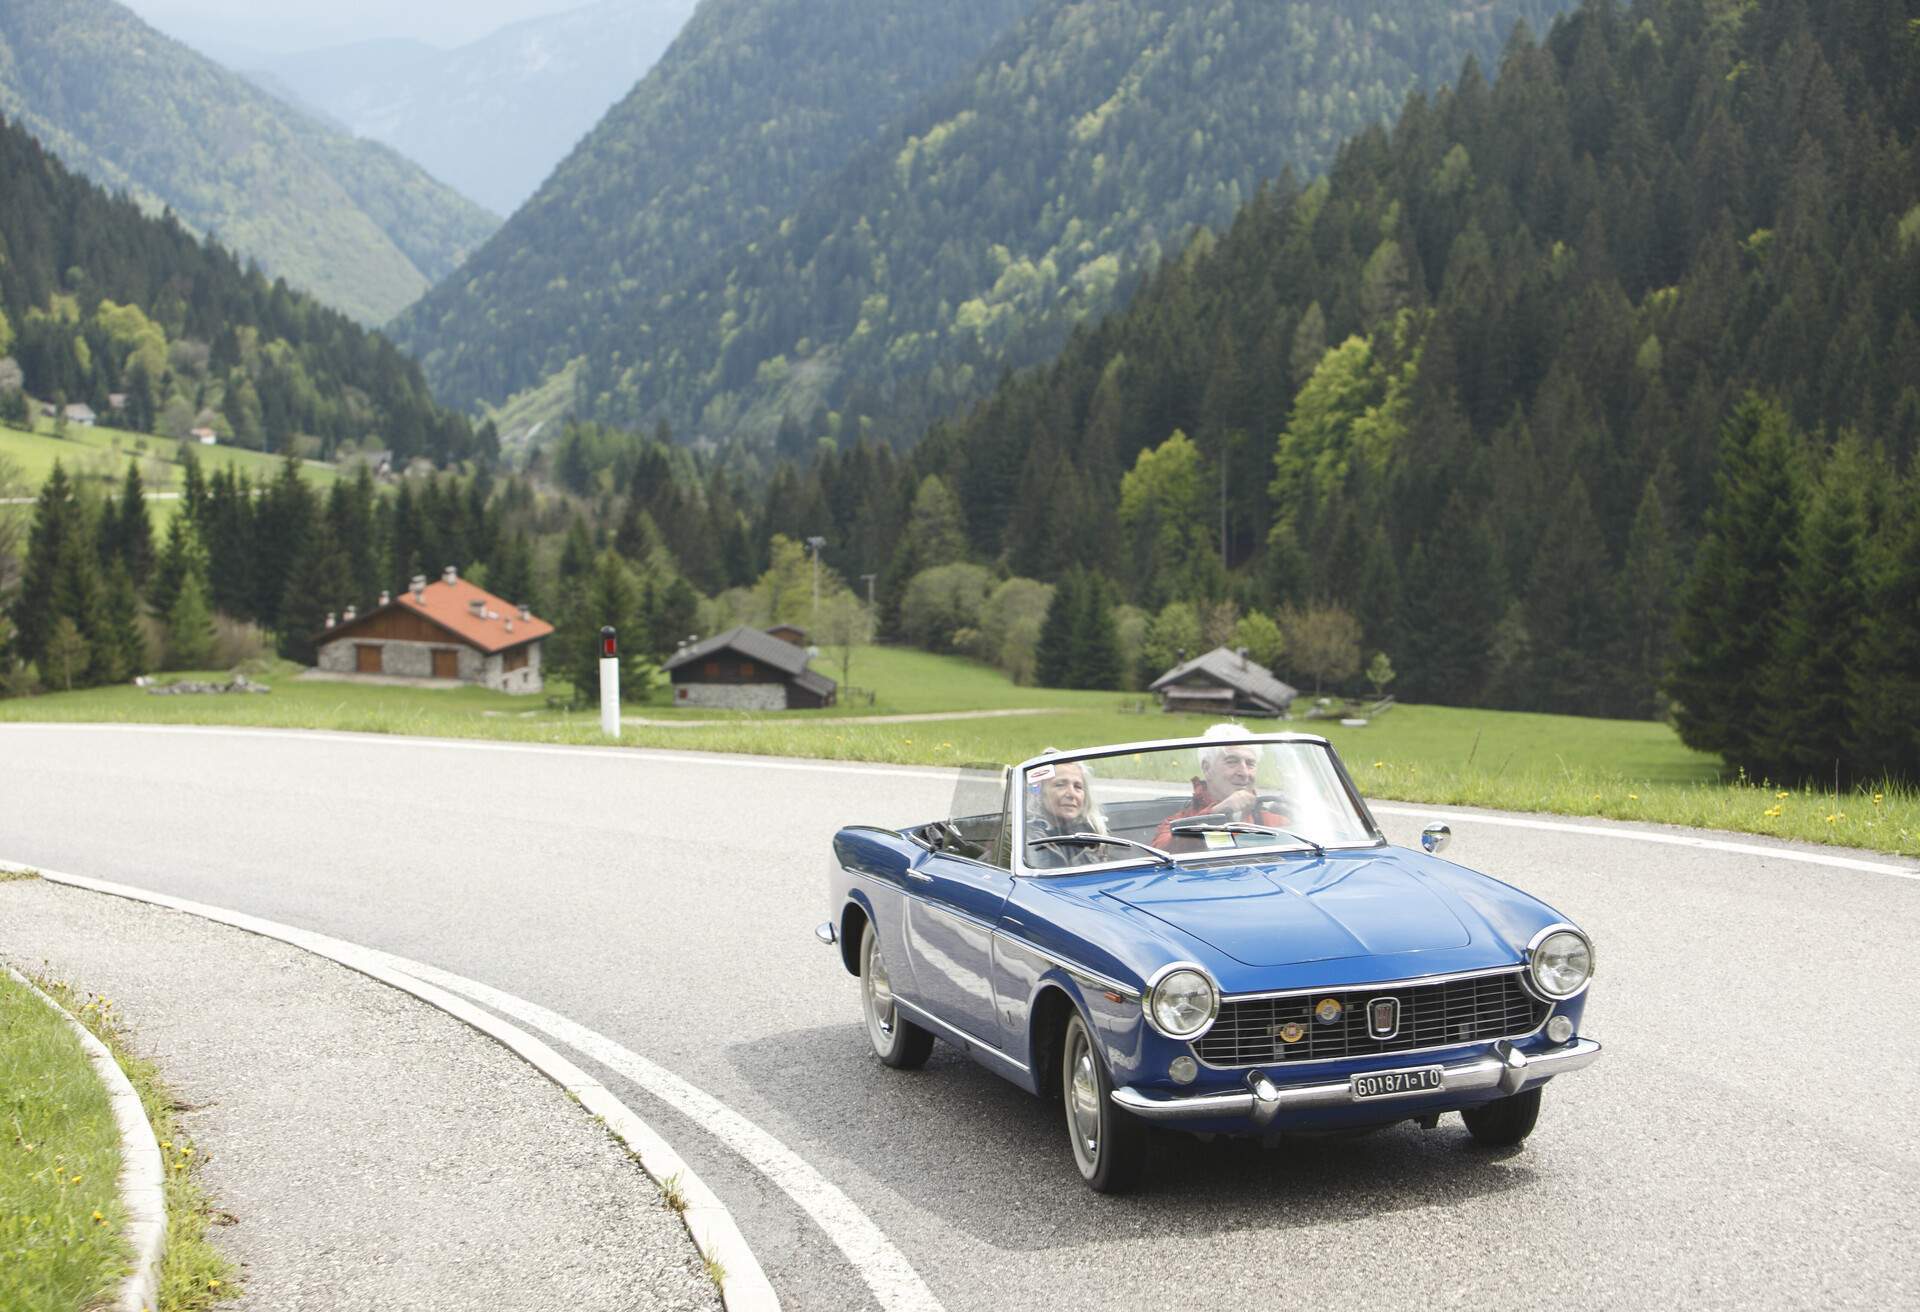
pixel 1648 583
pixel 1808 727
pixel 122 652
pixel 78 596
pixel 66 656
pixel 128 536
pixel 285 526
pixel 1883 683
pixel 1053 659
pixel 1457 597
pixel 190 631
pixel 319 581
pixel 1734 597
pixel 1095 644
pixel 56 519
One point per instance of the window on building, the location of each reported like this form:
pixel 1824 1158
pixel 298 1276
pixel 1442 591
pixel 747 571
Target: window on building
pixel 711 669
pixel 514 660
pixel 746 669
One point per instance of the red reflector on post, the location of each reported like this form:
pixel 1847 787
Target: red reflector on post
pixel 607 648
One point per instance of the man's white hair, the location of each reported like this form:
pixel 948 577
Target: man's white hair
pixel 1222 734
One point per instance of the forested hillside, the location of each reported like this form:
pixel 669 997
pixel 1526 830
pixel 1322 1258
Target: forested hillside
pixel 348 220
pixel 1477 385
pixel 492 117
pixel 756 103
pixel 1025 194
pixel 97 298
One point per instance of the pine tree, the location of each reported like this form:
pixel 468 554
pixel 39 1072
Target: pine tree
pixel 56 518
pixel 1884 681
pixel 190 631
pixel 1053 659
pixel 1095 645
pixel 122 650
pixel 319 582
pixel 1649 579
pixel 66 654
pixel 132 529
pixel 1732 605
pixel 1806 725
pixel 78 596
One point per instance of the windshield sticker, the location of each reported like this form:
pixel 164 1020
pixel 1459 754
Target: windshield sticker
pixel 1218 840
pixel 1039 773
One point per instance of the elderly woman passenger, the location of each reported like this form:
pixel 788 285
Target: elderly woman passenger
pixel 1061 802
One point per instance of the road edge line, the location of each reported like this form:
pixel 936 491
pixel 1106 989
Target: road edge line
pixel 142 1183
pixel 714 1232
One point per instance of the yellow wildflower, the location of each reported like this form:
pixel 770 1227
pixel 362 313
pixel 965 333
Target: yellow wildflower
pixel 1772 810
pixel 1633 797
pixel 1783 795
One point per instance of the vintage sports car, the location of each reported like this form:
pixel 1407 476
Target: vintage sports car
pixel 1208 934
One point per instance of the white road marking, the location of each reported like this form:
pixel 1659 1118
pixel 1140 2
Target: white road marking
pixel 887 1273
pixel 679 758
pixel 1671 840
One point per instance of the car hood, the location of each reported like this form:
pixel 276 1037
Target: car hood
pixel 1316 910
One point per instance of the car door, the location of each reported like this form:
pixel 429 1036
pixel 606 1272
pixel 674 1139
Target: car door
pixel 953 905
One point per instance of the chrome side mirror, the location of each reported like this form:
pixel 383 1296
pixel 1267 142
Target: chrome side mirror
pixel 1435 837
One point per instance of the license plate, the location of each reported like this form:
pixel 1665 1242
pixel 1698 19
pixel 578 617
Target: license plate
pixel 1391 1084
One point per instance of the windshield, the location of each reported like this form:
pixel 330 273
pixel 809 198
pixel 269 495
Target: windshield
pixel 1228 795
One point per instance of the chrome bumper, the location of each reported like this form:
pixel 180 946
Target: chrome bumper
pixel 1507 1069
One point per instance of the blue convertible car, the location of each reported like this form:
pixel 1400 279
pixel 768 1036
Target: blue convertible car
pixel 1208 934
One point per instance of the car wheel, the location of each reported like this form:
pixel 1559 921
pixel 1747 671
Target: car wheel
pixel 1504 1122
pixel 1109 1146
pixel 896 1041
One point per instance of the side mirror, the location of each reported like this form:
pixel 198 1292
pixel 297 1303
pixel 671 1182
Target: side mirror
pixel 1435 837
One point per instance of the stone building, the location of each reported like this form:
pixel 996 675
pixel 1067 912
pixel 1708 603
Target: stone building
pixel 1224 682
pixel 745 669
pixel 449 630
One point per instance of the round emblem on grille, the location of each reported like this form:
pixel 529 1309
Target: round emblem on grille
pixel 1327 1011
pixel 1292 1032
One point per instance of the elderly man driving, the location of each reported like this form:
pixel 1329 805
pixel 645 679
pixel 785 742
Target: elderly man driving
pixel 1225 786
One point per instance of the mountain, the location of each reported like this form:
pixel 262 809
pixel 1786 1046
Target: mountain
pixel 967 237
pixel 756 103
pixel 1486 383
pixel 492 117
pixel 350 221
pixel 98 298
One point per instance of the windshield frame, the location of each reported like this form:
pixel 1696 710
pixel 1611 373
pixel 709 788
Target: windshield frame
pixel 1016 815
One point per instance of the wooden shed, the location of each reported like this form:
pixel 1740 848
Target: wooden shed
pixel 1224 682
pixel 748 670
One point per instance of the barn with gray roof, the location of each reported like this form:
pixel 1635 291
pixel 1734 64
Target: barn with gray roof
pixel 745 669
pixel 1224 682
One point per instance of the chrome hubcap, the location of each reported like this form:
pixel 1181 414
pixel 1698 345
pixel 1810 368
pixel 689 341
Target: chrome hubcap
pixel 879 991
pixel 1084 1101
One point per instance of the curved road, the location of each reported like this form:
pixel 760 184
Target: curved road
pixel 1748 1140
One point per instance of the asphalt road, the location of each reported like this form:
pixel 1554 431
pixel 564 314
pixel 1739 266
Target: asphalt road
pixel 1747 1140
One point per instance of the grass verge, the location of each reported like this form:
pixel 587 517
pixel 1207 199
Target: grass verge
pixel 60 1213
pixel 193 1274
pixel 1619 769
pixel 7 875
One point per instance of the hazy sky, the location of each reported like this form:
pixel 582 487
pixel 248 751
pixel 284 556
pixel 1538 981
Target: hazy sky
pixel 223 28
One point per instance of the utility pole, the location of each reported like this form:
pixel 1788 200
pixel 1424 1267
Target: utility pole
pixel 814 544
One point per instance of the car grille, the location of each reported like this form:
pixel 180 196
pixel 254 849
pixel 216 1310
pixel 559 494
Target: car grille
pixel 1247 1033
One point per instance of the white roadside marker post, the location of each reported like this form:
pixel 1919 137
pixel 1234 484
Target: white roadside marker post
pixel 609 684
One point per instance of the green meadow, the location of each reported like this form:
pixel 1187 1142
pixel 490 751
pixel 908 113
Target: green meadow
pixel 1620 769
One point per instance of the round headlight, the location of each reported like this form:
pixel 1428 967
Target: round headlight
pixel 1562 963
pixel 1183 1004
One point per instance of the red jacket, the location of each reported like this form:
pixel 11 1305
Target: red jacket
pixel 1204 804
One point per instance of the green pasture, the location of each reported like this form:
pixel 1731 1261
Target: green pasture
pixel 99 456
pixel 1622 769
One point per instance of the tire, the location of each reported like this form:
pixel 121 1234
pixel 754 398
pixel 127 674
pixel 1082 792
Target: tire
pixel 1109 1146
pixel 1504 1122
pixel 896 1041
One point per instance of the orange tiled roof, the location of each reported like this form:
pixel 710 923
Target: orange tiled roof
pixel 497 627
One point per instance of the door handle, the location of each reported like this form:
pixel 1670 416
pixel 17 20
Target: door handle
pixel 920 875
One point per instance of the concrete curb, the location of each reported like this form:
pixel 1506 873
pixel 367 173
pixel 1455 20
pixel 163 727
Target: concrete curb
pixel 709 1224
pixel 142 1180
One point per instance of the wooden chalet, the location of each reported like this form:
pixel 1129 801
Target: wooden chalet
pixel 449 631
pixel 1224 682
pixel 747 670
